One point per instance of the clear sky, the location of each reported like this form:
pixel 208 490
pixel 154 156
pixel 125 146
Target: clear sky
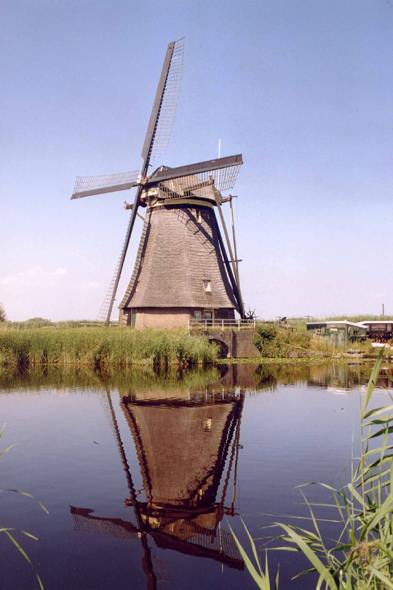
pixel 302 88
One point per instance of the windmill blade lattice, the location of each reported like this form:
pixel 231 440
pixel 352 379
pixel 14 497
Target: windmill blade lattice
pixel 164 110
pixel 107 183
pixel 169 101
pixel 103 314
pixel 200 185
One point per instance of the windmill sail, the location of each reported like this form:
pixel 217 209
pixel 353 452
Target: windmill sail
pixel 165 103
pixel 167 82
pixel 86 186
pixel 200 185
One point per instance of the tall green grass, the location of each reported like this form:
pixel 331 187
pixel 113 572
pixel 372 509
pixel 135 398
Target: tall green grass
pixel 100 347
pixel 362 556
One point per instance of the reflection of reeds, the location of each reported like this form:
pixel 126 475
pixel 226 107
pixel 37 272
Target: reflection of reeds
pixel 139 378
pixel 362 557
pixel 100 347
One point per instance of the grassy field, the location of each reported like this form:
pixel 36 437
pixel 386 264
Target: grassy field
pixel 100 347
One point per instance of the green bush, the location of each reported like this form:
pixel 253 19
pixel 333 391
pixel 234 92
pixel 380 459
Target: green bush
pixel 267 332
pixel 275 343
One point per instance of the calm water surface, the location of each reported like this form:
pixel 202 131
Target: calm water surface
pixel 142 474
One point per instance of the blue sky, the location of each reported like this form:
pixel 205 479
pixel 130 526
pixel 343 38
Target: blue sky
pixel 302 88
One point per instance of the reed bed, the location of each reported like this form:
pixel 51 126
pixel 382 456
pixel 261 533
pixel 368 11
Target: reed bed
pixel 100 347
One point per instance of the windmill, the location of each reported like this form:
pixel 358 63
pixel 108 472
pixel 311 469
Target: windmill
pixel 182 268
pixel 186 466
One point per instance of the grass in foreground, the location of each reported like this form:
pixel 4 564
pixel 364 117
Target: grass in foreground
pixel 362 557
pixel 100 347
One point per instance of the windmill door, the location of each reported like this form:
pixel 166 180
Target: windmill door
pixel 209 317
pixel 133 317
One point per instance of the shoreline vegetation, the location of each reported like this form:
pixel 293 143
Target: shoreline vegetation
pixel 99 347
pixel 40 342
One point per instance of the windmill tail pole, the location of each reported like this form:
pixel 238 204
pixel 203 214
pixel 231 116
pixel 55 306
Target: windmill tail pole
pixel 234 241
pixel 239 302
pixel 123 253
pixel 233 260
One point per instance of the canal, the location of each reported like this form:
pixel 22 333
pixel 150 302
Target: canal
pixel 143 473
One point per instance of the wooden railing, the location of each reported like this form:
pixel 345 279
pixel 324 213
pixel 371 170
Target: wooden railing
pixel 216 324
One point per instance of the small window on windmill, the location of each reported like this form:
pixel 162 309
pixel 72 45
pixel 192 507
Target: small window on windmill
pixel 197 315
pixel 137 286
pixel 208 425
pixel 199 216
pixel 207 286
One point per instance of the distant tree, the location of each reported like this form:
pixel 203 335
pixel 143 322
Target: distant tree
pixel 3 317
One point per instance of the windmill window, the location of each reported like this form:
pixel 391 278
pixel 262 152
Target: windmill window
pixel 197 315
pixel 199 217
pixel 137 286
pixel 207 286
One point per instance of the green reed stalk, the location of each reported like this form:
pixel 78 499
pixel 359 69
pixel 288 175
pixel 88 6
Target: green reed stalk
pixel 8 530
pixel 100 347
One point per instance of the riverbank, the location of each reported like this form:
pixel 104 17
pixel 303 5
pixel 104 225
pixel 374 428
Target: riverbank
pixel 100 347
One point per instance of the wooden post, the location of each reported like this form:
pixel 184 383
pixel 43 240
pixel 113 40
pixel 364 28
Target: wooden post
pixel 234 244
pixel 217 196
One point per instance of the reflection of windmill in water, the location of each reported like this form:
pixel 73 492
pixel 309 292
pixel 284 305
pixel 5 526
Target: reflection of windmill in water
pixel 188 452
pixel 182 270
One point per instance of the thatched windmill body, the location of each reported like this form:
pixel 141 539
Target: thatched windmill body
pixel 182 268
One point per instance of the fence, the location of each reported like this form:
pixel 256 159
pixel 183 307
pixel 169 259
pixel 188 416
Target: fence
pixel 216 324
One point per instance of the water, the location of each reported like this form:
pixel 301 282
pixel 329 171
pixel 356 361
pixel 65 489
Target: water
pixel 142 474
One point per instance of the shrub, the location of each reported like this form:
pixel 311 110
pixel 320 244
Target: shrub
pixel 278 343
